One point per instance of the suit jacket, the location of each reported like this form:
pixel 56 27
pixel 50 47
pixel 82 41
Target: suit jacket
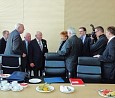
pixel 99 46
pixel 14 44
pixel 36 56
pixel 24 47
pixel 25 60
pixel 71 49
pixel 86 47
pixel 2 45
pixel 108 60
pixel 62 43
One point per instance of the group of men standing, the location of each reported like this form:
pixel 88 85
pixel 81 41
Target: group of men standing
pixel 32 51
pixel 103 48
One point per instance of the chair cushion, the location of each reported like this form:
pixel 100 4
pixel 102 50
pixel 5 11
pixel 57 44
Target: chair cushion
pixel 88 78
pixel 88 61
pixel 94 70
pixel 54 56
pixel 55 64
pixel 54 72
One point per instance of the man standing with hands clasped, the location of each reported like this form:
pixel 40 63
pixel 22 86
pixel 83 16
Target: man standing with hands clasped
pixel 37 49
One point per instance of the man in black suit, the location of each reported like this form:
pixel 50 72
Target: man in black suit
pixel 99 46
pixel 37 49
pixel 25 60
pixel 108 57
pixel 3 41
pixel 71 49
pixel 85 40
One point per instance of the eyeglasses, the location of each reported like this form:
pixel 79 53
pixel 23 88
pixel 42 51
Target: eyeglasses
pixel 81 31
pixel 96 31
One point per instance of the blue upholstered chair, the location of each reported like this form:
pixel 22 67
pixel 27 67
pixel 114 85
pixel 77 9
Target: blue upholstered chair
pixel 89 69
pixel 54 65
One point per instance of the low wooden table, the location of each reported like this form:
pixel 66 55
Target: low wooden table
pixel 87 91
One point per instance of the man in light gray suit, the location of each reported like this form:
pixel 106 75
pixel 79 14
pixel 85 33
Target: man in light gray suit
pixel 14 42
pixel 71 49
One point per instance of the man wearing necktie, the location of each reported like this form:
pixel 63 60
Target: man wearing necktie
pixel 37 49
pixel 25 60
pixel 40 44
pixel 85 40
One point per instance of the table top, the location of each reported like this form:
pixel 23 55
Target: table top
pixel 87 91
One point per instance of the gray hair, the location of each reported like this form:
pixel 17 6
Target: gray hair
pixel 26 34
pixel 18 25
pixel 72 31
pixel 38 32
pixel 4 32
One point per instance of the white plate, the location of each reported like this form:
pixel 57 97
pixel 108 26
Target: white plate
pixel 35 80
pixel 51 88
pixel 66 89
pixel 4 75
pixel 100 93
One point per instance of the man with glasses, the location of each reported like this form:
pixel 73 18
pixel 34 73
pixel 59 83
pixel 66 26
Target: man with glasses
pixel 108 57
pixel 99 46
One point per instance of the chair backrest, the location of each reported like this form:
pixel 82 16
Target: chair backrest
pixel 10 63
pixel 89 69
pixel 54 65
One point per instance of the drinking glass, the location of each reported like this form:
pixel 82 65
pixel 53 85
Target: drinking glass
pixel 1 74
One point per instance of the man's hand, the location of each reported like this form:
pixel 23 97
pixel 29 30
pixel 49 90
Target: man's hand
pixel 23 55
pixel 32 65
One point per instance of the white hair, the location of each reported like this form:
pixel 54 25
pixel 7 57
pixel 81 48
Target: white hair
pixel 72 31
pixel 38 32
pixel 26 34
pixel 18 25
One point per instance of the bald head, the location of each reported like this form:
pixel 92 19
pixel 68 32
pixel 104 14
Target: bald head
pixel 19 27
pixel 27 37
pixel 38 35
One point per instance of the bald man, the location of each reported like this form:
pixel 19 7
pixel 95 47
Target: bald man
pixel 37 49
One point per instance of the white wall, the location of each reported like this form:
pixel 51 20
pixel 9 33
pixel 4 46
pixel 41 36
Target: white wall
pixel 46 16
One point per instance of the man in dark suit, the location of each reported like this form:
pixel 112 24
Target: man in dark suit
pixel 37 49
pixel 108 57
pixel 71 49
pixel 25 60
pixel 85 40
pixel 3 41
pixel 99 46
pixel 14 42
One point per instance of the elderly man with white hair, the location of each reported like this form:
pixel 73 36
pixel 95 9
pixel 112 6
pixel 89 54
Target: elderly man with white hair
pixel 37 49
pixel 25 44
pixel 71 49
pixel 14 42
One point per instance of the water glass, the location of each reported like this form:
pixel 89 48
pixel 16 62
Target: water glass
pixel 1 74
